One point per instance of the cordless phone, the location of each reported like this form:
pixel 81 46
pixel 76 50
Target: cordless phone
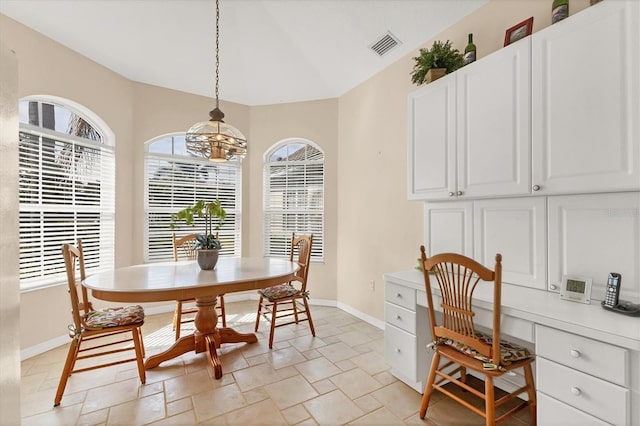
pixel 612 293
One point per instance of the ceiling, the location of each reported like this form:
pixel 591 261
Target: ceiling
pixel 271 51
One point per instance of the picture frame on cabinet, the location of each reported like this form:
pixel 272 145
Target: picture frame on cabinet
pixel 518 31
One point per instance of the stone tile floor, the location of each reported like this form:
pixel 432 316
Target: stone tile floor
pixel 338 377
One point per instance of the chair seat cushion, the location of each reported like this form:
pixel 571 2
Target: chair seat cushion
pixel 509 352
pixel 114 317
pixel 279 291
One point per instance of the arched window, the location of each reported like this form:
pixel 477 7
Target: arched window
pixel 175 179
pixel 293 196
pixel 67 185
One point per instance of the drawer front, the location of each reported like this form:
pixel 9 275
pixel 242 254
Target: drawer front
pixel 590 356
pixel 399 295
pixel 594 396
pixel 400 351
pixel 400 317
pixel 551 412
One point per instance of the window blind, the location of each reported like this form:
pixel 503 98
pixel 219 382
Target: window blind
pixel 66 192
pixel 294 198
pixel 175 182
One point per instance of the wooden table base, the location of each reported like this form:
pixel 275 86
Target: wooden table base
pixel 207 338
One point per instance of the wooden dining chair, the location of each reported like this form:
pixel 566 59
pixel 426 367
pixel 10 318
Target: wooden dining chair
pixel 95 333
pixel 185 310
pixel 462 346
pixel 289 300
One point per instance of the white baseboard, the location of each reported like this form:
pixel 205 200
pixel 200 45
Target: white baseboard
pixel 43 347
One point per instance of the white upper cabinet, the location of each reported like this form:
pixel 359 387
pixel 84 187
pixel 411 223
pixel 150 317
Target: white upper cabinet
pixel 432 149
pixel 494 123
pixel 469 132
pixel 585 101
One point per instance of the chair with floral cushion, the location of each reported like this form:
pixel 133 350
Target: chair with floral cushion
pixel 95 333
pixel 462 346
pixel 185 310
pixel 289 300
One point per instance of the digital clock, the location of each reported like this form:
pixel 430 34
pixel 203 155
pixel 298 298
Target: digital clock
pixel 576 289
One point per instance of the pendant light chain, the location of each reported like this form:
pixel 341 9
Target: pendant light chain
pixel 217 52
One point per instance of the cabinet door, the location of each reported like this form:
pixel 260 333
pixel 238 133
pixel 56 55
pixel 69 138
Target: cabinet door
pixel 585 101
pixel 449 227
pixel 494 123
pixel 594 234
pixel 431 150
pixel 516 229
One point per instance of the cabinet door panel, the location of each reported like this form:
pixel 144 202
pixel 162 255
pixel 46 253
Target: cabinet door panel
pixel 592 235
pixel 449 228
pixel 516 229
pixel 494 123
pixel 431 151
pixel 585 103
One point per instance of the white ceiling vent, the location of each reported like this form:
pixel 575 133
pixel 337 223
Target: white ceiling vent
pixel 384 44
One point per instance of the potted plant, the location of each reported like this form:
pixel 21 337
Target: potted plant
pixel 434 63
pixel 207 244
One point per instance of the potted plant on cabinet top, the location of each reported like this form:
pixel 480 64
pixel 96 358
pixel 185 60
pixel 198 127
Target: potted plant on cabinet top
pixel 434 63
pixel 207 244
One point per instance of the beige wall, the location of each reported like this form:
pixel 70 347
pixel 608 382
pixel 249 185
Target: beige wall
pixel 370 226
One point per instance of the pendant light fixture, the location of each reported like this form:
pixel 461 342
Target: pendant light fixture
pixel 215 139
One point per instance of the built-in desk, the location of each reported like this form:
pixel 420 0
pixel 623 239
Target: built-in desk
pixel 588 359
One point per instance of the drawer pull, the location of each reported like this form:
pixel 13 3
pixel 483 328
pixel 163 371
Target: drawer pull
pixel 398 317
pixel 576 391
pixel 398 295
pixel 397 350
pixel 574 353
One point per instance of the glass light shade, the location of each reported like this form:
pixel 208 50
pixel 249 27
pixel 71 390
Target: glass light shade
pixel 216 141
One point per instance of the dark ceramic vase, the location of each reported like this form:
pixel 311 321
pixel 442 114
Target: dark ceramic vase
pixel 207 259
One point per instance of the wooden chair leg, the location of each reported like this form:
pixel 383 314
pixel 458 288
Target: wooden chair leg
pixel 428 388
pixel 490 401
pixel 223 312
pixel 66 371
pixel 306 306
pixel 274 311
pixel 295 310
pixel 139 348
pixel 177 318
pixel 258 315
pixel 531 393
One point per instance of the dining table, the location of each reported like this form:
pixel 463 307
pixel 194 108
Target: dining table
pixel 184 280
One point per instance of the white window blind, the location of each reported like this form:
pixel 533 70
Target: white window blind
pixel 293 197
pixel 174 181
pixel 66 192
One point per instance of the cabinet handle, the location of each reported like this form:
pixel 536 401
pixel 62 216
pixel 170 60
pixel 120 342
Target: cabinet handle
pixel 397 350
pixel 576 391
pixel 459 193
pixel 398 317
pixel 451 194
pixel 574 353
pixel 398 295
pixel 536 187
pixel 553 287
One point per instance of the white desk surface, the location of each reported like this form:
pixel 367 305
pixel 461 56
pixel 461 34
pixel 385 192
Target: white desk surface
pixel 545 308
pixel 183 280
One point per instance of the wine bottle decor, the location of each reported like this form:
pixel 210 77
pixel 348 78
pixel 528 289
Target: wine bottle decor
pixel 469 52
pixel 559 10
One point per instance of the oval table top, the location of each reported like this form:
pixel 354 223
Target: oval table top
pixel 154 282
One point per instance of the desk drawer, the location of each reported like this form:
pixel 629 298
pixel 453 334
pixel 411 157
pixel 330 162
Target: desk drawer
pixel 590 356
pixel 597 397
pixel 400 295
pixel 552 412
pixel 400 351
pixel 400 317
